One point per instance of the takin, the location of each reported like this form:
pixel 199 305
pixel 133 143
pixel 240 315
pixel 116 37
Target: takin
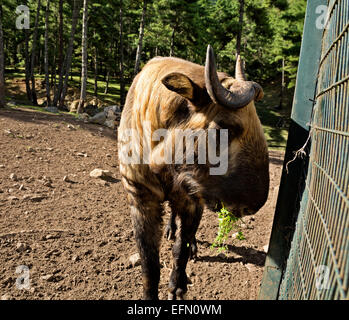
pixel 171 96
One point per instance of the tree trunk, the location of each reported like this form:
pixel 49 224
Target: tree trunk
pixel 47 76
pixel 69 54
pixel 172 42
pixel 282 85
pixel 60 36
pixel 27 65
pixel 83 58
pixel 107 82
pixel 32 64
pixel 140 40
pixel 241 23
pixel 121 47
pixel 2 63
pixel 96 73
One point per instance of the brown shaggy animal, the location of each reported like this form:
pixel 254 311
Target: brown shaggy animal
pixel 173 94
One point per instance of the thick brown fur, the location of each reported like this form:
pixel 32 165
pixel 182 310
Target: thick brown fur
pixel 170 93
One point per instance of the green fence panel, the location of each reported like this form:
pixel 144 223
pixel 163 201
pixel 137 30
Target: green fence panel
pixel 318 262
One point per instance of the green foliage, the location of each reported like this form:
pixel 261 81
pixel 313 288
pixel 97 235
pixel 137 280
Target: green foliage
pixel 227 222
pixel 272 30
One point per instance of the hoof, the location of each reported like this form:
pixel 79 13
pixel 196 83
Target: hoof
pixel 170 233
pixel 179 295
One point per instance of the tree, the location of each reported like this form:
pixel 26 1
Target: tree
pixel 69 54
pixel 47 77
pixel 33 55
pixel 65 70
pixel 121 46
pixel 140 41
pixel 84 57
pixel 241 25
pixel 2 63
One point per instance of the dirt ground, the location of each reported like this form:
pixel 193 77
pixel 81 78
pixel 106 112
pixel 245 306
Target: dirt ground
pixel 74 233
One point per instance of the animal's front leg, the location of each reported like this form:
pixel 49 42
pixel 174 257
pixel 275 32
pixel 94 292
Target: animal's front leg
pixel 147 222
pixel 171 227
pixel 189 223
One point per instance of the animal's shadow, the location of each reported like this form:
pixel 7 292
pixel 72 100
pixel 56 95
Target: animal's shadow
pixel 247 255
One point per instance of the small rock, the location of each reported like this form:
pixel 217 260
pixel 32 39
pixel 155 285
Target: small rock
pixel 75 258
pixel 71 127
pixel 30 149
pixel 6 297
pixel 135 260
pixel 265 248
pixel 81 154
pixel 13 198
pixel 20 247
pixel 2 166
pixel 52 109
pixel 49 149
pixel 22 187
pixel 99 173
pixel 250 267
pixel 37 198
pixel 30 179
pixel 18 156
pixel 48 277
pixel 13 177
pixel 222 255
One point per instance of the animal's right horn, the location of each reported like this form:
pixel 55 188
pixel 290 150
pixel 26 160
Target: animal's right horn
pixel 237 97
pixel 239 69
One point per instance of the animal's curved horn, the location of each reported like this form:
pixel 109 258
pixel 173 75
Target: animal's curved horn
pixel 239 69
pixel 238 97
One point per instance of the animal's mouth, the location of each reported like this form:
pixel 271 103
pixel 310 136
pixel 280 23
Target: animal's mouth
pixel 238 211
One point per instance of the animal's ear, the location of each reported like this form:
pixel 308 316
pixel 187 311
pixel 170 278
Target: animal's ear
pixel 181 84
pixel 260 94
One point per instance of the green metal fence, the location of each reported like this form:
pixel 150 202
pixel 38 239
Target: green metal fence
pixel 318 263
pixel 317 266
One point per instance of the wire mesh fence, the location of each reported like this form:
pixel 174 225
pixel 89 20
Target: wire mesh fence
pixel 318 262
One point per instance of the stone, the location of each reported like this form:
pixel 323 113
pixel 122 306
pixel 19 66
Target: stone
pixel 91 110
pixel 13 177
pixel 20 247
pixel 13 198
pixel 99 118
pixel 265 248
pixel 250 267
pixel 81 154
pixel 110 123
pixel 135 260
pixel 6 297
pixel 73 107
pixel 48 277
pixel 71 127
pixel 99 173
pixel 52 109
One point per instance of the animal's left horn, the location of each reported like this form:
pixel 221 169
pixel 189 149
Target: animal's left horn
pixel 238 97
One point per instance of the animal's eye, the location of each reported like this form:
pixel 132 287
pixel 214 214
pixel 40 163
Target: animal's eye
pixel 234 129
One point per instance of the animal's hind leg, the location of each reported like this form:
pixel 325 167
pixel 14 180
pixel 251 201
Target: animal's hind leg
pixel 190 216
pixel 147 222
